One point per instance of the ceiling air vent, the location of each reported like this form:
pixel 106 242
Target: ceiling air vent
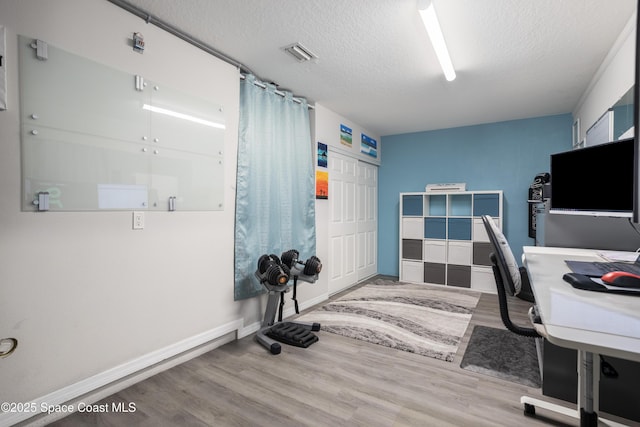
pixel 301 53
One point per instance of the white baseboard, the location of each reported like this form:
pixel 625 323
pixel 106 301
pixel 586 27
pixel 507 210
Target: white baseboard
pixel 99 386
pixel 248 330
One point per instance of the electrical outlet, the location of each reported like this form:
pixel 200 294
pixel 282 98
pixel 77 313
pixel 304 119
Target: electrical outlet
pixel 138 220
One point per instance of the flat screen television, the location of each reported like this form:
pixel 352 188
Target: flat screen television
pixel 597 181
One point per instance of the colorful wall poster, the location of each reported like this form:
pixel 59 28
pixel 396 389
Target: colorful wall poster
pixel 322 185
pixel 322 155
pixel 369 146
pixel 346 135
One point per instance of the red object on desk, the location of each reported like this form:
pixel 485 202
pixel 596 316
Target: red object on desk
pixel 622 279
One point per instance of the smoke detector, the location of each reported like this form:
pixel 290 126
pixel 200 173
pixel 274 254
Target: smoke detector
pixel 300 53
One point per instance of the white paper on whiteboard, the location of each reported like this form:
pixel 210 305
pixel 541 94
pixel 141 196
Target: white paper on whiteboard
pixel 602 130
pixel 113 196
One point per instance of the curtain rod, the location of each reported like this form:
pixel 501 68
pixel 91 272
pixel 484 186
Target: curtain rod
pixel 178 33
pixel 277 92
pixel 191 40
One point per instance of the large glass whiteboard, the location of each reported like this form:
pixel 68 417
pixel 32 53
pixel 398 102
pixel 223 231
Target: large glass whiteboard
pixel 97 138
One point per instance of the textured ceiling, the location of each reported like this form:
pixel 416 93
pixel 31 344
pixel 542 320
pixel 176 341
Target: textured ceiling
pixel 514 58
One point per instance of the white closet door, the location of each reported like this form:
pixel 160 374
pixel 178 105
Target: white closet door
pixel 367 221
pixel 342 222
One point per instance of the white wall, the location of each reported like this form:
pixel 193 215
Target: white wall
pixel 612 80
pixel 328 132
pixel 82 292
pixel 88 298
pixel 326 129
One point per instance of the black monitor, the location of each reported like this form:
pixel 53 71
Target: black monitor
pixel 636 124
pixel 596 181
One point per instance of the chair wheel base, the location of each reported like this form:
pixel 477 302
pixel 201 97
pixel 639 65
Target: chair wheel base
pixel 588 419
pixel 529 410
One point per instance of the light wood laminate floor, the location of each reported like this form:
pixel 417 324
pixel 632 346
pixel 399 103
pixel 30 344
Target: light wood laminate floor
pixel 337 381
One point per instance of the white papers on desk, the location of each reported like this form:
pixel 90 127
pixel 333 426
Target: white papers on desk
pixel 614 256
pixel 570 312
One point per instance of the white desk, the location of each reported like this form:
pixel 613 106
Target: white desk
pixel 590 322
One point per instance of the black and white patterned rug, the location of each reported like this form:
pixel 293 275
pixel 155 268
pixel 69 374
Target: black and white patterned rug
pixel 502 354
pixel 429 320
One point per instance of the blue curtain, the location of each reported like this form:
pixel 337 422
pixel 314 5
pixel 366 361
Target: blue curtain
pixel 275 189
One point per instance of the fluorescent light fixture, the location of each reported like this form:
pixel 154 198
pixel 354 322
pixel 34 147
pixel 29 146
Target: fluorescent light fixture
pixel 182 116
pixel 430 20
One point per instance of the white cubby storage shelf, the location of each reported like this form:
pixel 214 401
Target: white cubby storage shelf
pixel 443 240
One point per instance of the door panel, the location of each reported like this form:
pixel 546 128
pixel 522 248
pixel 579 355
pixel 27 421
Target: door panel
pixel 367 220
pixel 342 223
pixel 353 227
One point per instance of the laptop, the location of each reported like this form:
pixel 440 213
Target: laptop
pixel 600 268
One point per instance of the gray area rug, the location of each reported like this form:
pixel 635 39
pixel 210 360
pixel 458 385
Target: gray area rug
pixel 423 319
pixel 502 354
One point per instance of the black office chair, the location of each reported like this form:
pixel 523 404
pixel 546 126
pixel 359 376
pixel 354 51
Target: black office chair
pixel 509 277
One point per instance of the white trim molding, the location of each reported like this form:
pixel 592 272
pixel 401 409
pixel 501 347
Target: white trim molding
pixel 119 377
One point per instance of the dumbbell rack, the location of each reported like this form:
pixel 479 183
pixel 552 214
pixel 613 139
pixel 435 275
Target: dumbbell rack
pixel 300 332
pixel 273 332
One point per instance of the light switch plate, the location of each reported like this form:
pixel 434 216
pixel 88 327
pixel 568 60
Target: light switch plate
pixel 138 220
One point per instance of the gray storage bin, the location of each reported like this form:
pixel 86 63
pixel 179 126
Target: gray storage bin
pixel 459 275
pixel 412 249
pixel 434 273
pixel 481 251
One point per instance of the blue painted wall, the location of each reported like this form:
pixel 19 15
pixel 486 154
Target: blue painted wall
pixel 497 156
